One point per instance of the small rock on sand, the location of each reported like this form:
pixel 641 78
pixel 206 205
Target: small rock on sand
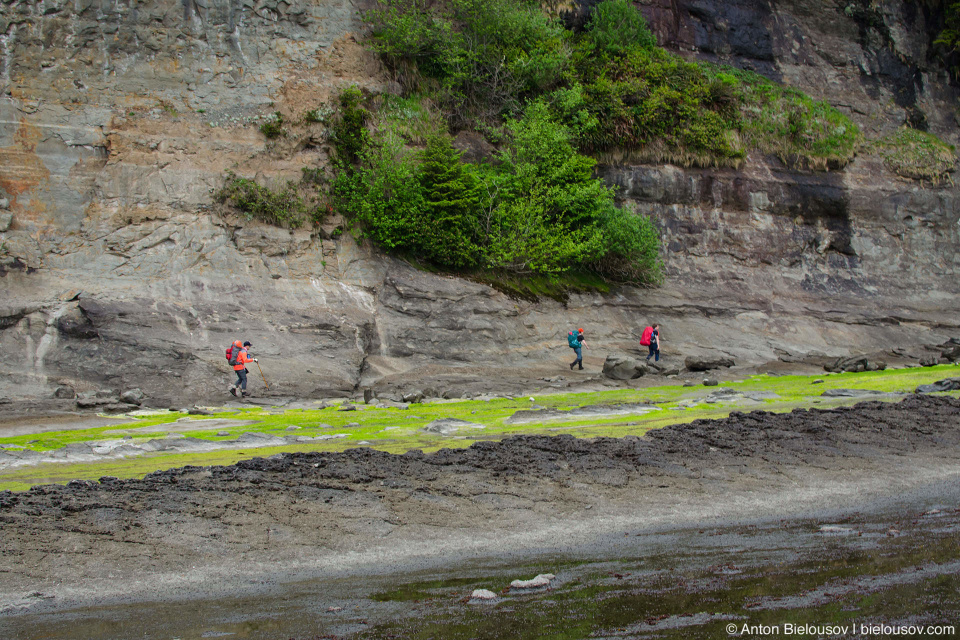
pixel 542 580
pixel 446 426
pixel 836 530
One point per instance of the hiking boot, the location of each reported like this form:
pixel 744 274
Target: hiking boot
pixel 233 391
pixel 245 394
pixel 572 364
pixel 581 368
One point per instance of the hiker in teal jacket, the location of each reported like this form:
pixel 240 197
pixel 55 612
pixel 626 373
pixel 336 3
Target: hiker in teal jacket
pixel 575 340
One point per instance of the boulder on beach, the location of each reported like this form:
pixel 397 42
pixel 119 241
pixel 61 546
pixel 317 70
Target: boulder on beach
pixel 414 397
pixel 133 396
pixel 92 400
pixel 855 363
pixel 950 350
pixel 65 393
pixel 706 363
pixel 947 384
pixel 621 367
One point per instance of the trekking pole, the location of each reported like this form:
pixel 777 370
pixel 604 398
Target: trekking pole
pixel 261 375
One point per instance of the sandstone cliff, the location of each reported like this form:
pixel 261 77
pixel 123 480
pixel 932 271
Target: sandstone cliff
pixel 119 119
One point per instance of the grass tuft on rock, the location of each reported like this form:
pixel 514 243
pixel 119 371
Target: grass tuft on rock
pixel 917 155
pixel 273 128
pixel 283 207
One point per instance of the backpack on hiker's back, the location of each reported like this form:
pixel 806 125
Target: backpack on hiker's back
pixel 573 338
pixel 233 353
pixel 647 336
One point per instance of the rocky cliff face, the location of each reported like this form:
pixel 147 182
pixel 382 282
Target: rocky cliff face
pixel 118 120
pixel 874 59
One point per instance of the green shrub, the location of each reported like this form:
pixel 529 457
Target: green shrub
pixel 283 208
pixel 273 128
pixel 658 101
pixel 633 249
pixel 379 188
pixel 319 115
pixel 381 192
pixel 616 28
pixel 349 133
pixel 481 57
pixel 549 205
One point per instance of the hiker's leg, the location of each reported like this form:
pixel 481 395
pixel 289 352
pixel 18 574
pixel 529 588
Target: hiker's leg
pixel 657 359
pixel 579 351
pixel 242 375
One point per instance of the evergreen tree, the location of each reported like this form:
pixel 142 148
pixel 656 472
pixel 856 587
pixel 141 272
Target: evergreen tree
pixel 450 227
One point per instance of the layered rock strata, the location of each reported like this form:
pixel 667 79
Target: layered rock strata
pixel 118 121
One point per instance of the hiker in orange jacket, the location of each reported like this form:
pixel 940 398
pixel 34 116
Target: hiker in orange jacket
pixel 240 389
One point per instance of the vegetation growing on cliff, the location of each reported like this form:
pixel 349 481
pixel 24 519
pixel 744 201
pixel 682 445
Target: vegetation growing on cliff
pixel 273 128
pixel 535 209
pixel 918 155
pixel 282 207
pixel 949 37
pixel 481 60
pixel 551 100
